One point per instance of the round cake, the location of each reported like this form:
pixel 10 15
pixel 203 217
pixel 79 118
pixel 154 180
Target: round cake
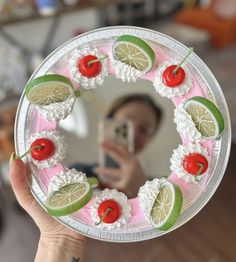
pixel 201 117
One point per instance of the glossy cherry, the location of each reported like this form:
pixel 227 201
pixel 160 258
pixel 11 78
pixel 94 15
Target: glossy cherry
pixel 42 149
pixel 174 75
pixel 108 211
pixel 195 164
pixel 172 79
pixel 88 69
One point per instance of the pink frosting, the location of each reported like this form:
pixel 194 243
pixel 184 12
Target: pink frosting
pixel 137 220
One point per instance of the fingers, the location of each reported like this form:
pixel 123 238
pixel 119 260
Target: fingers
pixel 116 152
pixel 19 179
pixel 112 177
pixel 107 175
pixel 107 171
pixel 19 182
pixel 119 148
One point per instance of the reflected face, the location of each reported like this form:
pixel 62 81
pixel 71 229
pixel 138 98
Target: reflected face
pixel 144 122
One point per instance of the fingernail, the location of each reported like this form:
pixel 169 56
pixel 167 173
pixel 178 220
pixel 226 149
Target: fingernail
pixel 12 157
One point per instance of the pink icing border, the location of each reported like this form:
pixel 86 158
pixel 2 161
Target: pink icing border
pixel 137 220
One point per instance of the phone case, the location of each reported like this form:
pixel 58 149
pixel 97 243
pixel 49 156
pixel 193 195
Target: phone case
pixel 118 131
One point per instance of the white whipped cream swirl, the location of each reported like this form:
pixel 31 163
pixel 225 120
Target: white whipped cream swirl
pixel 84 81
pixel 120 198
pixel 125 72
pixel 185 124
pixel 148 194
pixel 177 159
pixel 169 92
pixel 60 148
pixel 66 177
pixel 57 111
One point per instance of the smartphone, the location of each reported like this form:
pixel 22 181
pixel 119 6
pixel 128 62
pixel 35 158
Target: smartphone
pixel 118 131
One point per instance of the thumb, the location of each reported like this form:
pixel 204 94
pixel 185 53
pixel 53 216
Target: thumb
pixel 20 184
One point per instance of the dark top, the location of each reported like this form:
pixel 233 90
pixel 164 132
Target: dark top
pixel 85 168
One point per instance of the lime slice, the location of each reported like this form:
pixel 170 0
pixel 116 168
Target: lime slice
pixel 167 206
pixel 206 116
pixel 68 199
pixel 48 89
pixel 133 51
pixel 93 182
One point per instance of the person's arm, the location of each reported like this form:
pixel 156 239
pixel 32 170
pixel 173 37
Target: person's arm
pixel 57 243
pixel 60 249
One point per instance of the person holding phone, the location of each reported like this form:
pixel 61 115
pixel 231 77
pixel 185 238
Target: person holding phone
pixel 122 169
pixel 145 116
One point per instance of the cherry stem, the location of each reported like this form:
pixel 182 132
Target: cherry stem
pixel 184 59
pixel 201 166
pixel 28 151
pixel 97 60
pixel 103 216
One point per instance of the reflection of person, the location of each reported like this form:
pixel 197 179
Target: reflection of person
pixel 145 116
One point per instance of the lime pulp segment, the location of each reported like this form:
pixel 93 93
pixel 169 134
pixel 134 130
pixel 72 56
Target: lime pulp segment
pixel 167 206
pixel 68 199
pixel 48 89
pixel 134 52
pixel 206 116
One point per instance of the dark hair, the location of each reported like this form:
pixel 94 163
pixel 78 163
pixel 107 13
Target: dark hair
pixel 142 98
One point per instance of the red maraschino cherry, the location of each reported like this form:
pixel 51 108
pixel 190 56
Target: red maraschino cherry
pixel 195 164
pixel 174 75
pixel 45 149
pixel 108 211
pixel 90 66
pixel 172 80
pixel 41 149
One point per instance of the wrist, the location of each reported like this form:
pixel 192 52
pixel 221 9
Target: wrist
pixel 67 240
pixel 60 248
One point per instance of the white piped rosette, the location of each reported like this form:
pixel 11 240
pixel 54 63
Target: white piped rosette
pixel 57 111
pixel 185 124
pixel 177 159
pixel 147 195
pixel 60 148
pixel 169 92
pixel 85 82
pixel 125 72
pixel 120 198
pixel 64 178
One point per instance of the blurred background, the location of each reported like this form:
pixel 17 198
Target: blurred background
pixel 30 30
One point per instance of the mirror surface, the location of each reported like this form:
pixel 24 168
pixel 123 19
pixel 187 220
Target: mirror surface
pixel 154 134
